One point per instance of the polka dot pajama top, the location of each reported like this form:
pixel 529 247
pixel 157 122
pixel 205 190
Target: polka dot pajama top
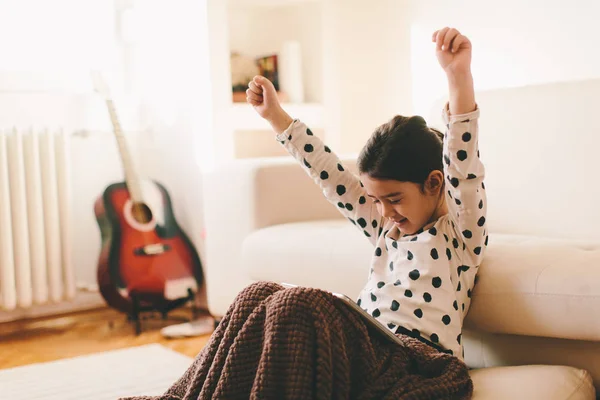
pixel 419 284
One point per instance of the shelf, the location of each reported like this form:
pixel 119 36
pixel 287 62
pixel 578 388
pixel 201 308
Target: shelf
pixel 243 116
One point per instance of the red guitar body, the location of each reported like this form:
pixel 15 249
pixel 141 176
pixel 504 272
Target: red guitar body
pixel 146 261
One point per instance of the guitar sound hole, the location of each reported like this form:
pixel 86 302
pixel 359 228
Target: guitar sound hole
pixel 141 213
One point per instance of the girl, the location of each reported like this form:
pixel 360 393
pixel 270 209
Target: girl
pixel 420 200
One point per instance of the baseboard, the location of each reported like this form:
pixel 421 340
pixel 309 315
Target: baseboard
pixel 82 301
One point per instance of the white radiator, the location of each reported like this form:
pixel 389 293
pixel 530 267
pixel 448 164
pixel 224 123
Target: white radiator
pixel 35 222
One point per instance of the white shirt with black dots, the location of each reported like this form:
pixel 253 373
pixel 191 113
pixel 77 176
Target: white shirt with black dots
pixel 418 284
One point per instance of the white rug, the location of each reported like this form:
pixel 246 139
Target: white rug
pixel 144 370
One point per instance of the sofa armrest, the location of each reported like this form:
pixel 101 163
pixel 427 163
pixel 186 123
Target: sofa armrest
pixel 244 196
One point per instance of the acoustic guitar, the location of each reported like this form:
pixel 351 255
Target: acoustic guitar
pixel 146 262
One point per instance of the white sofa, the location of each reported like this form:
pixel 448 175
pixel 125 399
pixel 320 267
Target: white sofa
pixel 533 330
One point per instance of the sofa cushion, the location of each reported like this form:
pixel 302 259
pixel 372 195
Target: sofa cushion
pixel 538 286
pixel 483 350
pixel 532 382
pixel 526 285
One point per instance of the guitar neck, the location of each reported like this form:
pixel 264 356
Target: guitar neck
pixel 131 178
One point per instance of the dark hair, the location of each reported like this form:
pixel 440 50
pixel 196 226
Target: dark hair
pixel 403 149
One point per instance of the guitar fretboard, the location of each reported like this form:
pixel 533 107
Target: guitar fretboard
pixel 131 178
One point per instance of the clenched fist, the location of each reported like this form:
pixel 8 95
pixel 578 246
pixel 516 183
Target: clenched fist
pixel 261 94
pixel 453 50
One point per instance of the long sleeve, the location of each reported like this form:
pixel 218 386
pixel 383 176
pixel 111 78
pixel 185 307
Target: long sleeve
pixel 341 187
pixel 464 171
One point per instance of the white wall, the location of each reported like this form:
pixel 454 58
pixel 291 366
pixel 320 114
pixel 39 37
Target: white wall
pixel 515 43
pixel 367 77
pixel 45 82
pixel 64 36
pixel 171 69
pixel 368 45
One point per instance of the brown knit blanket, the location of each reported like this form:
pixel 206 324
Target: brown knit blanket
pixel 302 343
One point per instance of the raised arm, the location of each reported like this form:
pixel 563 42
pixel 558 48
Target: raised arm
pixel 464 171
pixel 341 187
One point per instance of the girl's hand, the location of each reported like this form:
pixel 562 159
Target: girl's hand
pixel 453 51
pixel 263 97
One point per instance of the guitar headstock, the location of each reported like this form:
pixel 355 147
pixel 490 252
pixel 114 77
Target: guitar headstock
pixel 100 85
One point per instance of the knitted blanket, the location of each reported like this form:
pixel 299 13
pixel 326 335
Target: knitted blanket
pixel 302 343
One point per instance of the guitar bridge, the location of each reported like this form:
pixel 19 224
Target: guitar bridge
pixel 152 249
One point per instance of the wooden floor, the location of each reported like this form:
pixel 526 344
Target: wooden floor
pixel 48 339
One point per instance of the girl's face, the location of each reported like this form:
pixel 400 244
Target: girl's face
pixel 409 205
